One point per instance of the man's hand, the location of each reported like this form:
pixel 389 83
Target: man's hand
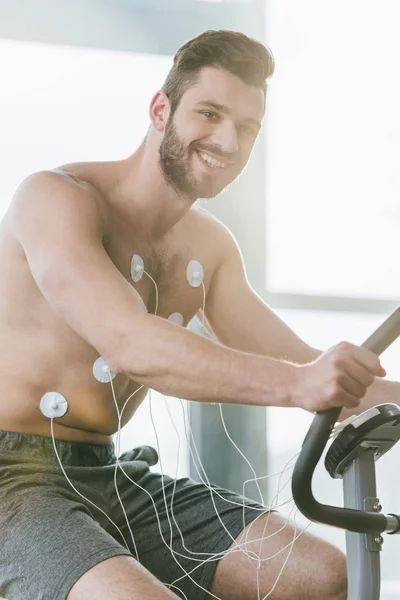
pixel 338 377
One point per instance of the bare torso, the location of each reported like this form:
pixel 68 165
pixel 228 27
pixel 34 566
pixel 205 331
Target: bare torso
pixel 40 353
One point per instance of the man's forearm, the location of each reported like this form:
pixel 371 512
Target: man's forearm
pixel 178 362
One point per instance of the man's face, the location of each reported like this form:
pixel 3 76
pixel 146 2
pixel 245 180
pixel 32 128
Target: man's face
pixel 208 141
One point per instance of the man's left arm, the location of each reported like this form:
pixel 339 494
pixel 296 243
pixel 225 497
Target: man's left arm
pixel 240 319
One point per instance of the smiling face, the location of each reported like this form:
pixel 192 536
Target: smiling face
pixel 208 140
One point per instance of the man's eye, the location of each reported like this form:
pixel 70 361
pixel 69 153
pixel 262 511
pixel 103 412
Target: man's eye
pixel 210 115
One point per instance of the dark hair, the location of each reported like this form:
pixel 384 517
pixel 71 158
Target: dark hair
pixel 245 57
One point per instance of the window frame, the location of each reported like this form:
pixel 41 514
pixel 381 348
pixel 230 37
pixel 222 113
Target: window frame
pixel 160 27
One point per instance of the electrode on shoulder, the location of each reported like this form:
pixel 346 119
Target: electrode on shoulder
pixel 53 405
pixel 102 371
pixel 195 273
pixel 137 268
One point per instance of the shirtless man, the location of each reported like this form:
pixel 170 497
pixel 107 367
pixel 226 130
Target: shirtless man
pixel 68 298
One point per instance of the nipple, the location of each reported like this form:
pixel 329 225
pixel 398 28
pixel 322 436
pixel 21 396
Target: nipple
pixel 194 273
pixel 53 405
pixel 176 318
pixel 137 268
pixel 102 371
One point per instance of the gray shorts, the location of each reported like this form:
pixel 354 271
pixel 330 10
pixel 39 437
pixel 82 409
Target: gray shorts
pixel 50 536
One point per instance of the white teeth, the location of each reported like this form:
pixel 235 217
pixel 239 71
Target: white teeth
pixel 213 162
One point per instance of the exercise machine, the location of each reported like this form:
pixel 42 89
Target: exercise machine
pixel 361 441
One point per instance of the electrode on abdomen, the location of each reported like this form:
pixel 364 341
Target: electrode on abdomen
pixel 53 405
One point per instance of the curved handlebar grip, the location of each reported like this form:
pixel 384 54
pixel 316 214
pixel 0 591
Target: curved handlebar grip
pixel 313 447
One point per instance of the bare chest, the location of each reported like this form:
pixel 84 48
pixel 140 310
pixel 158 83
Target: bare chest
pixel 162 274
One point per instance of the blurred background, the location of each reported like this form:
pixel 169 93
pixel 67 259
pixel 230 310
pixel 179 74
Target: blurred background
pixel 316 213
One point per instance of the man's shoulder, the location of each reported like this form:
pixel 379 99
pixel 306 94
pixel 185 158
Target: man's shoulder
pixel 55 181
pixel 58 193
pixel 204 220
pixel 210 230
pixel 219 231
pixel 85 186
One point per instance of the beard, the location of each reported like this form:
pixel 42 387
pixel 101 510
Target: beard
pixel 174 162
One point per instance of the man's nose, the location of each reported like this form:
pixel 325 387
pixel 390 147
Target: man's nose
pixel 225 137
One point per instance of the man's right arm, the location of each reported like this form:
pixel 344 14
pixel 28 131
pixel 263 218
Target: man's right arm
pixel 59 224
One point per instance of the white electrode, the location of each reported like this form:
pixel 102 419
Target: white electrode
pixel 176 317
pixel 102 371
pixel 137 268
pixel 53 405
pixel 195 273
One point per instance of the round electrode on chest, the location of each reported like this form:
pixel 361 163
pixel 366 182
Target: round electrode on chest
pixel 53 405
pixel 195 273
pixel 102 371
pixel 137 268
pixel 176 318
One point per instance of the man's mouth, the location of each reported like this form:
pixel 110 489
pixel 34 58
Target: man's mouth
pixel 211 161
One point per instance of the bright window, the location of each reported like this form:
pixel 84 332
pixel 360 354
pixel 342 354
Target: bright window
pixel 333 127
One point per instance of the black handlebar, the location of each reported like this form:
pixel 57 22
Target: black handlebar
pixel 314 445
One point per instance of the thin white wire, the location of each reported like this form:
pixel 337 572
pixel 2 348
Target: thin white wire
pixel 212 491
pixel 230 439
pixel 238 550
pixel 162 477
pixel 256 540
pixel 173 493
pixel 186 573
pixel 156 289
pixel 135 483
pixel 173 552
pixel 278 531
pixel 240 504
pixel 263 512
pixel 77 491
pixel 174 484
pixel 262 560
pixel 206 484
pixel 255 478
pixel 212 556
pixel 155 431
pixel 274 504
pixel 162 480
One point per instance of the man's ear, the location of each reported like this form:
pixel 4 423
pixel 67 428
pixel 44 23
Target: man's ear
pixel 160 109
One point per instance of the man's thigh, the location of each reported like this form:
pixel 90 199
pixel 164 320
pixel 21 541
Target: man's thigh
pixel 182 528
pixel 48 543
pixel 282 563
